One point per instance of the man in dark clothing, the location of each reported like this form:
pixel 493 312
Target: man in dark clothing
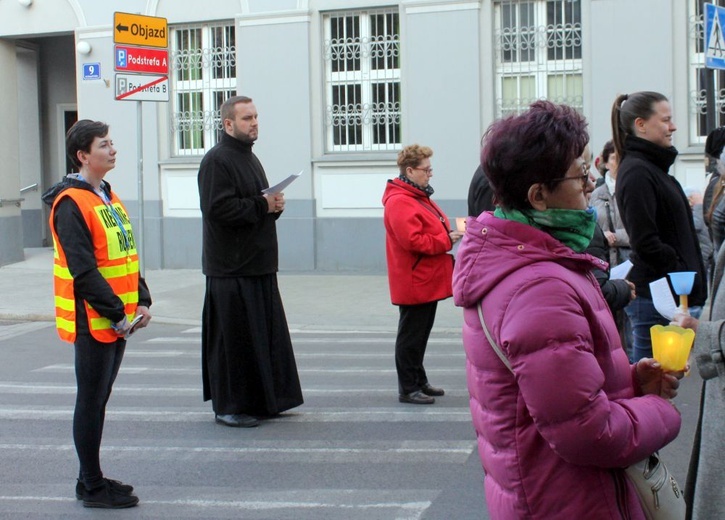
pixel 248 365
pixel 480 194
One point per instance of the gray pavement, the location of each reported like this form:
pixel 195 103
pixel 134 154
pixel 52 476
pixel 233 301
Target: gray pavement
pixel 312 301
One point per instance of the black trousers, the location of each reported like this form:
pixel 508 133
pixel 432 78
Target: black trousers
pixel 414 326
pixel 96 367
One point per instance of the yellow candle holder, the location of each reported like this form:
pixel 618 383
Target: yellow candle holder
pixel 671 346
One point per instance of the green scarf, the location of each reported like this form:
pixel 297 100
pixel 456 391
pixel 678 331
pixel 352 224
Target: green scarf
pixel 573 227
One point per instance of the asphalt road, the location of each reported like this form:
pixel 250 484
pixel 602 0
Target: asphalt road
pixel 350 452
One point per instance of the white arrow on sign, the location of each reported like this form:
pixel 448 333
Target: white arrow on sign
pixel 138 87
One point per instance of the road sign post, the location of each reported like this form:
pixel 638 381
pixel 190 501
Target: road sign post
pixel 136 33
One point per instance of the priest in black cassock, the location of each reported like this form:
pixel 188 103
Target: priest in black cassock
pixel 248 366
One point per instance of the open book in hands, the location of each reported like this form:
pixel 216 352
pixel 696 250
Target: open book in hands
pixel 132 328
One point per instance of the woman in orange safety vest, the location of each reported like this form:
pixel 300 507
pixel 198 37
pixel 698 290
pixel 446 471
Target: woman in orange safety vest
pixel 99 296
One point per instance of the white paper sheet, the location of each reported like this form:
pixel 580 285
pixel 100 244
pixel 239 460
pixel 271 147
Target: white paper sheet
pixel 282 185
pixel 662 298
pixel 620 272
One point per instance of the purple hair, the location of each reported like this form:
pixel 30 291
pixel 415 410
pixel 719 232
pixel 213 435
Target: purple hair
pixel 536 146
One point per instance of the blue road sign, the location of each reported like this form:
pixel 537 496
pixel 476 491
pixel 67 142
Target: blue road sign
pixel 121 58
pixel 714 39
pixel 91 71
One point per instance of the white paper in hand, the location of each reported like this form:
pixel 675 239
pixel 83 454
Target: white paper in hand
pixel 662 298
pixel 620 272
pixel 132 328
pixel 277 188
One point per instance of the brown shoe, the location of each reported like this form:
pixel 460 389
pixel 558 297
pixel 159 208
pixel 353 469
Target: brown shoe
pixel 432 390
pixel 416 397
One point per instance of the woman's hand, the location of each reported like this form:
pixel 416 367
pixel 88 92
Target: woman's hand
pixel 653 380
pixel 142 310
pixel 611 237
pixel 685 321
pixel 455 236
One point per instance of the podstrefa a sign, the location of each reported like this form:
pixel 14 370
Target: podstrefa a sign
pixel 141 59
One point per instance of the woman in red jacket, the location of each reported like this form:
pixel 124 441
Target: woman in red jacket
pixel 418 238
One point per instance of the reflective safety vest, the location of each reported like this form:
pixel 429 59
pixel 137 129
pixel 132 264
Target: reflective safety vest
pixel 116 257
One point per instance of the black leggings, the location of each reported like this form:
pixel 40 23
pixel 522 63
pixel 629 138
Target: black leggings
pixel 97 366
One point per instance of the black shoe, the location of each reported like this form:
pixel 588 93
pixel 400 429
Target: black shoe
pixel 432 390
pixel 106 498
pixel 237 420
pixel 115 485
pixel 416 397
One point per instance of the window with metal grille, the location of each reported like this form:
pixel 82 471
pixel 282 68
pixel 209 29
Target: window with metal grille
pixel 538 53
pixel 204 74
pixel 362 81
pixel 698 91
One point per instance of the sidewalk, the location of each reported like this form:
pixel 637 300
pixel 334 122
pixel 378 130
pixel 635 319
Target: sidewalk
pixel 313 301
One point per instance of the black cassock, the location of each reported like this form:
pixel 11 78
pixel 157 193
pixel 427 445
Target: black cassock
pixel 248 364
pixel 247 359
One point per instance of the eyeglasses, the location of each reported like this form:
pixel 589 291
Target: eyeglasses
pixel 583 178
pixel 426 170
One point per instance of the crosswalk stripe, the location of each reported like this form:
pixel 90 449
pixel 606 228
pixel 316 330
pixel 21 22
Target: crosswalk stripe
pixel 314 341
pixel 303 414
pixel 120 389
pixel 126 369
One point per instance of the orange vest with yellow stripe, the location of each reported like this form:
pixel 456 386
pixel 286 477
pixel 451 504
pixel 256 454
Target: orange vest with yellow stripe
pixel 116 258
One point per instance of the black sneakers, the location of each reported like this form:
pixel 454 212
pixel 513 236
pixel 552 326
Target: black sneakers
pixel 111 495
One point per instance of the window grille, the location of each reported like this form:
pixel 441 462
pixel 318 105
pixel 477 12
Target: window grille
pixel 362 81
pixel 698 99
pixel 204 75
pixel 538 53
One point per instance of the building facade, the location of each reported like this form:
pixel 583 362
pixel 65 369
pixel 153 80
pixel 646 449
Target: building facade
pixel 341 86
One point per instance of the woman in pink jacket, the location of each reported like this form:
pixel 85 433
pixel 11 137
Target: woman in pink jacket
pixel 556 429
pixel 417 240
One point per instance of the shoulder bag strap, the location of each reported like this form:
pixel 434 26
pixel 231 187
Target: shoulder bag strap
pixel 493 344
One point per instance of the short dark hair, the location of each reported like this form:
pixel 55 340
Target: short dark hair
pixel 538 145
pixel 626 109
pixel 606 152
pixel 80 137
pixel 228 107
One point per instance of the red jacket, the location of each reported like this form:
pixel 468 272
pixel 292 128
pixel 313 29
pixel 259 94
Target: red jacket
pixel 419 268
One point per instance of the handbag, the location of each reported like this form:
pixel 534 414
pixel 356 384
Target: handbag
pixel 660 496
pixel 657 489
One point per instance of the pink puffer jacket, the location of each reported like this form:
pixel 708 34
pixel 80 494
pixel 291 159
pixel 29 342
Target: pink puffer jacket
pixel 554 437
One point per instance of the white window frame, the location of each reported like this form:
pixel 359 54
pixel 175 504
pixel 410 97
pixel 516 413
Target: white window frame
pixel 541 69
pixel 363 112
pixel 196 94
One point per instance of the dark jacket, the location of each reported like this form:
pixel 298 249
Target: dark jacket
pixel 239 234
pixel 480 194
pixel 616 292
pixel 658 219
pixel 75 237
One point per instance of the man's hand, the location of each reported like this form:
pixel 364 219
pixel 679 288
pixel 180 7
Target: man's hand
pixel 275 202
